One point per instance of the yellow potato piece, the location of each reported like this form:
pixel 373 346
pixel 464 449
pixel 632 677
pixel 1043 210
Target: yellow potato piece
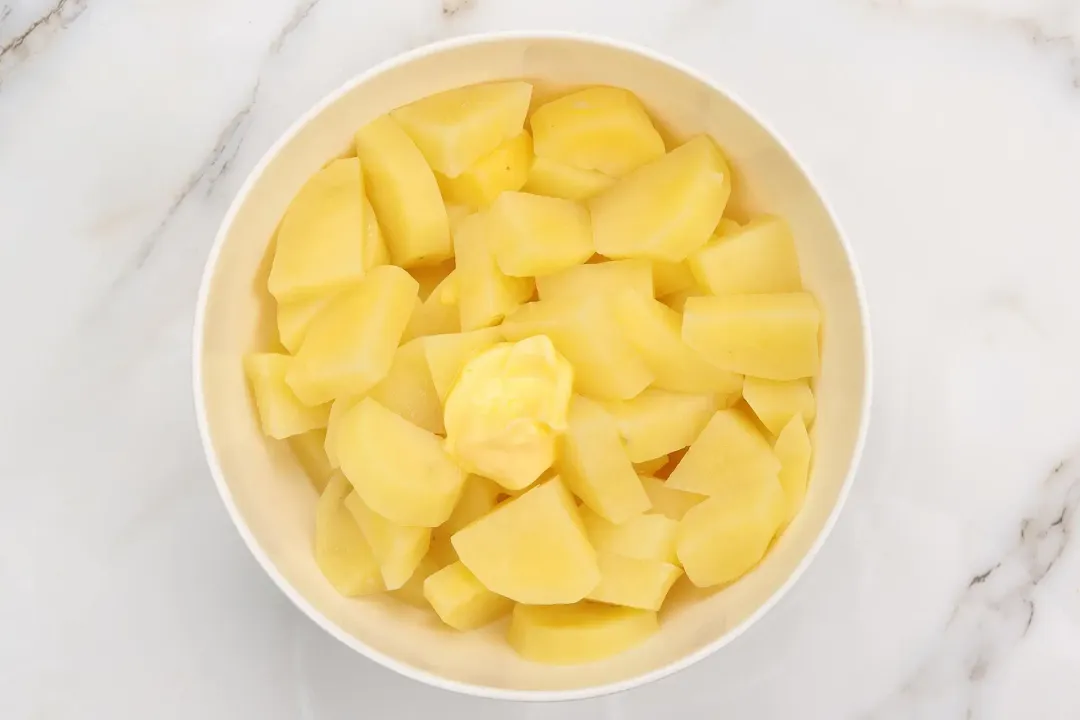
pixel 729 451
pixel 658 422
pixel 479 497
pixel 573 634
pixel 409 390
pixel 486 295
pixel 606 365
pixel 667 501
pixel 503 169
pixel 600 128
pixel 672 277
pixel 532 548
pixel 448 354
pixel 439 555
pixel 650 466
pixel 350 345
pixel 655 331
pixel 309 452
pixel 633 582
pixel 338 409
pixel 398 469
pixel 320 242
pixel 431 277
pixel 554 179
pixel 677 300
pixel 793 449
pixel 375 252
pixel 776 402
pixel 758 257
pixel 461 601
pixel 768 336
pixel 594 465
pixel 535 235
pixel 397 549
pixel 404 193
pixel 666 209
pixel 456 128
pixel 603 280
pixel 341 552
pixel 281 412
pixel 294 318
pixel 646 537
pixel 436 315
pixel 724 537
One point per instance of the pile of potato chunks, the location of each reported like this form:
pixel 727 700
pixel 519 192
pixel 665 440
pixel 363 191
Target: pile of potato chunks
pixel 464 221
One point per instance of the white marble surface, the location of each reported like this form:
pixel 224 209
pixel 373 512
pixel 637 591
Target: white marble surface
pixel 947 133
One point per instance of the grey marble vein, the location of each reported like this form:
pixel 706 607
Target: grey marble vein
pixel 23 45
pixel 450 8
pixel 5 13
pixel 996 609
pixel 298 17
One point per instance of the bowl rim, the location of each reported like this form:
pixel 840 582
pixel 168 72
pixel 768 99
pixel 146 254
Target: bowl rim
pixel 424 676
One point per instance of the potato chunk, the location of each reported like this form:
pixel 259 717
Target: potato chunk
pixel 455 128
pixel 554 179
pixel 404 193
pixel 281 412
pixel 535 235
pixel 341 552
pixel 658 422
pixel 448 354
pixel 531 549
pixel 439 555
pixel 768 336
pixel 294 318
pixel 320 244
pixel 309 452
pixel 600 128
pixel 398 549
pixel 667 501
pixel 398 469
pixel 461 601
pixel 666 209
pixel 672 277
pixel 350 345
pixel 594 465
pixel 603 279
pixel 504 169
pixel 581 633
pixel 479 497
pixel 438 314
pixel 647 537
pixel 776 402
pixel 633 582
pixel 485 293
pixel 758 257
pixel 729 451
pixel 409 390
pixel 793 449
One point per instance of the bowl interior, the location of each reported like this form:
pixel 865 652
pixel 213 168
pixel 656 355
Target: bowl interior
pixel 271 500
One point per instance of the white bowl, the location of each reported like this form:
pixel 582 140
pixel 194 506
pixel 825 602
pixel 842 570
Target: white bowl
pixel 271 501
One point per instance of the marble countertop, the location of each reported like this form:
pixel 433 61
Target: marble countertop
pixel 947 134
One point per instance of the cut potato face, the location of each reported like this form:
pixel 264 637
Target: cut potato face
pixel 281 412
pixel 793 449
pixel 646 537
pixel 581 633
pixel 729 451
pixel 429 277
pixel 604 279
pixel 398 469
pixel 633 582
pixel 768 336
pixel 606 365
pixel 320 244
pixel 532 548
pixel 375 251
pixel 405 195
pixel 486 294
pixel 337 411
pixel 294 318
pixel 456 128
pixel 436 315
pixel 594 465
pixel 724 537
pixel 658 422
pixel 554 179
pixel 409 390
pixel 666 209
pixel 350 345
pixel 667 501
pixel 535 235
pixel 439 555
pixel 478 498
pixel 448 354
pixel 504 169
pixel 461 601
pixel 601 128
pixel 672 277
pixel 397 549
pixel 655 332
pixel 341 552
pixel 776 402
pixel 308 449
pixel 758 257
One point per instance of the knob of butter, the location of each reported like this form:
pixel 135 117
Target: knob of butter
pixel 507 410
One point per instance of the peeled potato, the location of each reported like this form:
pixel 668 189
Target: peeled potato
pixel 672 277
pixel 438 314
pixel 456 128
pixel 430 277
pixel 666 501
pixel 478 498
pixel 461 601
pixel 281 413
pixel 776 402
pixel 647 537
pixel 447 355
pixel 604 279
pixel 554 179
pixel 409 390
pixel 729 451
pixel 398 469
pixel 350 345
pixel 658 422
pixel 600 128
pixel 532 548
pixel 768 336
pixel 485 293
pixel 440 554
pixel 666 209
pixel 758 257
pixel 398 549
pixel 294 317
pixel 581 633
pixel 341 552
pixel 333 424
pixel 633 582
pixel 503 169
pixel 793 449
pixel 309 452
pixel 535 235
